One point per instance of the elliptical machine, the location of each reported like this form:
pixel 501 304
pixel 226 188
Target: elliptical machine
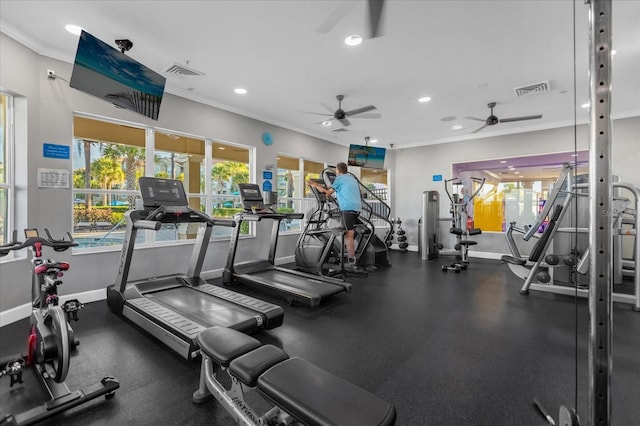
pixel 462 224
pixel 51 338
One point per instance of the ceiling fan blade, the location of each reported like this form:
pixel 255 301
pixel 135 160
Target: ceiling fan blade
pixel 336 16
pixel 359 110
pixel 479 128
pixel 369 115
pixel 477 119
pixel 527 117
pixel 317 113
pixel 329 109
pixel 344 121
pixel 375 15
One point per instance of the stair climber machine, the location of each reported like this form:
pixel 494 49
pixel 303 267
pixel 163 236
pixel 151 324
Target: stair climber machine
pixel 462 222
pixel 296 286
pixel 320 248
pixel 175 308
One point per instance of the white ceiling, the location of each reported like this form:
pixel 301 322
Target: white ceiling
pixel 463 54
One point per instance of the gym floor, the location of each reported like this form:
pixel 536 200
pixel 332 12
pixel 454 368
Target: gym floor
pixel 444 348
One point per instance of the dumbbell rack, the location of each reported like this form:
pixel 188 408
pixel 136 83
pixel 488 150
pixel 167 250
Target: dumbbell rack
pixel 400 236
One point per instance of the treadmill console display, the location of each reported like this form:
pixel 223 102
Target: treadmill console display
pixel 162 192
pixel 251 197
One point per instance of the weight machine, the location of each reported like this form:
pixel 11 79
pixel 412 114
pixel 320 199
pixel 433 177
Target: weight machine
pixel 462 223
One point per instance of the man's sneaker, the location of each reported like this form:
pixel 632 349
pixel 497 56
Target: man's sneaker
pixel 351 266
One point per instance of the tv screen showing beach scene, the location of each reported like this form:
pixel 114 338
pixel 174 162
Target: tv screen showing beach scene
pixel 103 71
pixel 366 156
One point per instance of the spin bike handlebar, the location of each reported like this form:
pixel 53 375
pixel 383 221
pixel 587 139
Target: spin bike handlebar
pixel 36 242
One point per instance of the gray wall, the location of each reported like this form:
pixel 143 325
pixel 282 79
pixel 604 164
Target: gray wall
pixel 50 105
pixel 414 169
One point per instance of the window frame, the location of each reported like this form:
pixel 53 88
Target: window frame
pixel 204 194
pixel 8 184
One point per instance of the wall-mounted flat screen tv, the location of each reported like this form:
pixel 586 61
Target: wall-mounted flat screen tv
pixel 103 71
pixel 366 156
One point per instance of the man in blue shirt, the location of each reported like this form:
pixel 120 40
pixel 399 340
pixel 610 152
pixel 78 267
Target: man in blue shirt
pixel 347 191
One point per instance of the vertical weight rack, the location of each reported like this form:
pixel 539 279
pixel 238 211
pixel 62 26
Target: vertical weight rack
pixel 600 234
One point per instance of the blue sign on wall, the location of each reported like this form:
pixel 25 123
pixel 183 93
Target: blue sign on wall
pixel 437 178
pixel 267 174
pixel 50 150
pixel 266 186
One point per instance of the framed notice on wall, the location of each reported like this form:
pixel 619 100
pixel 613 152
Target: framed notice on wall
pixel 53 178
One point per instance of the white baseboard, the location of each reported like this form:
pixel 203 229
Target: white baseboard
pixel 23 311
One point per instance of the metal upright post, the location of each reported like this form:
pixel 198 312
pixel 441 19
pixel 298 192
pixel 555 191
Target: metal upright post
pixel 600 224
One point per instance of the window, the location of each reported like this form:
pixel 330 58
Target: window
pixel 290 190
pixel 108 159
pixel 230 167
pixel 515 189
pixel 376 181
pixel 312 170
pixel 6 174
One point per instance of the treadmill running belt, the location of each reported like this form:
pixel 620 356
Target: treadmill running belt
pixel 296 284
pixel 205 309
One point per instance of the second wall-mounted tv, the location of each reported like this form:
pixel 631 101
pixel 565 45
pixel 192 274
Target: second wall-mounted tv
pixel 103 71
pixel 366 156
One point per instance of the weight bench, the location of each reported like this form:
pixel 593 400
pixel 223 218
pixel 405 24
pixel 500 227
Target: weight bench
pixel 301 393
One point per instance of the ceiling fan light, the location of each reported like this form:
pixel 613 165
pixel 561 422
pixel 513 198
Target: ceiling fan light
pixel 353 40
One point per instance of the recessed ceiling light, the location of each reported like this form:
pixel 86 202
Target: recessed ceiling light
pixel 326 123
pixel 353 40
pixel 73 29
pixel 241 91
pixel 457 127
pixel 585 105
pixel 503 161
pixel 424 99
pixel 222 147
pixel 373 140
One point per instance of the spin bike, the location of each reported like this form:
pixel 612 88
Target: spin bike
pixel 462 226
pixel 51 338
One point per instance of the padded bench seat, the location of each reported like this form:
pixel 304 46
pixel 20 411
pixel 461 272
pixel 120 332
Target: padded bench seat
pixel 310 394
pixel 317 397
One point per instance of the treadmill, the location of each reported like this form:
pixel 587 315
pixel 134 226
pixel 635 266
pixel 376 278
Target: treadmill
pixel 296 286
pixel 175 308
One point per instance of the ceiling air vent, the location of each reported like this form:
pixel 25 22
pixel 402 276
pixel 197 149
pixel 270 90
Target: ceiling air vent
pixel 532 88
pixel 181 71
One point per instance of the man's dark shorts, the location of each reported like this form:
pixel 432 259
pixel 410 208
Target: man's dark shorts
pixel 349 219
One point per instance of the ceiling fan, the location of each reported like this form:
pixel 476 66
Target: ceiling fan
pixel 342 115
pixel 492 120
pixel 375 15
